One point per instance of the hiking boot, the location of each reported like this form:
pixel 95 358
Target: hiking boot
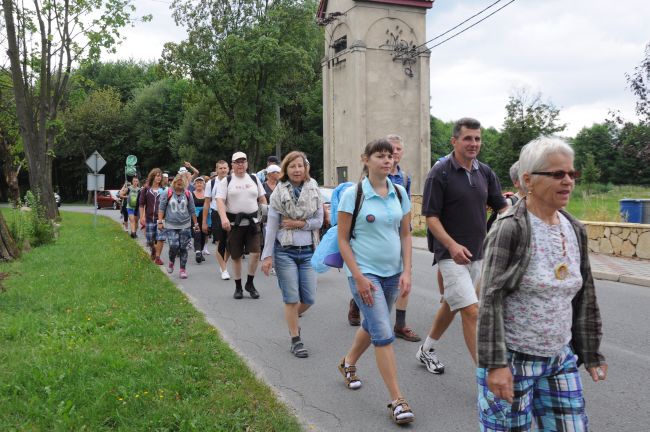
pixel 239 294
pixel 430 360
pixel 199 257
pixel 182 274
pixel 354 316
pixel 251 290
pixel 158 261
pixel 406 333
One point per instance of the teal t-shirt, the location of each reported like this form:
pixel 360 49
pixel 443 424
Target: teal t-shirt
pixel 376 243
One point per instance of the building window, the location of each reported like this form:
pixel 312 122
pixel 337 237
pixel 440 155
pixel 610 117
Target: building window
pixel 340 44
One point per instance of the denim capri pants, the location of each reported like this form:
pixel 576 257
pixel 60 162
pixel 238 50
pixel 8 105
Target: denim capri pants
pixel 296 277
pixel 376 318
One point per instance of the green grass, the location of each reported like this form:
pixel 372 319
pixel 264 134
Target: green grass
pixel 94 337
pixel 602 204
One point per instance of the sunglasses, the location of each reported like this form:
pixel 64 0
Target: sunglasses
pixel 559 174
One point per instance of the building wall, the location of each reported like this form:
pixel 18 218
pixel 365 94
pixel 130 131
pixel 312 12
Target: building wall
pixel 367 95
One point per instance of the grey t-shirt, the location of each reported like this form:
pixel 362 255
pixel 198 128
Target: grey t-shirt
pixel 178 210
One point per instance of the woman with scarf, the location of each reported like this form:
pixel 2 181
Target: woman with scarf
pixel 292 232
pixel 539 317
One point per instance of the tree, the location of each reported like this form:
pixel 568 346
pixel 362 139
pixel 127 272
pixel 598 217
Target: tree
pixel 255 57
pixel 44 40
pixel 11 146
pixel 590 172
pixel 597 141
pixel 639 83
pixel 527 118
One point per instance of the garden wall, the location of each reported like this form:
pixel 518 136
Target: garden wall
pixel 612 238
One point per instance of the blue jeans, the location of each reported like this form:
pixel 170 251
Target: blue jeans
pixel 296 278
pixel 376 318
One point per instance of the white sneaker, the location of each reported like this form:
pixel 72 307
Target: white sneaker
pixel 430 360
pixel 206 251
pixel 225 275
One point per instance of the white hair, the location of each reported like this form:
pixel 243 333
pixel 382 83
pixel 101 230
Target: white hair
pixel 514 172
pixel 534 155
pixel 393 137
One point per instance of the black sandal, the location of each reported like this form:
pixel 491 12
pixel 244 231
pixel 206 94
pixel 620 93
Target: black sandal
pixel 299 350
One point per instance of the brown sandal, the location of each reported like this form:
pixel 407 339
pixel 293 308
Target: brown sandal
pixel 401 412
pixel 352 381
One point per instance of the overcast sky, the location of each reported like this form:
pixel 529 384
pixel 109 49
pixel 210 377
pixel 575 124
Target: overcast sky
pixel 575 52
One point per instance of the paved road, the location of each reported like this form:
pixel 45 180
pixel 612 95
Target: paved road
pixel 314 388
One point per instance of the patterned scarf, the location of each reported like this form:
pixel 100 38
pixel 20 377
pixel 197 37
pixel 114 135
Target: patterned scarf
pixel 299 203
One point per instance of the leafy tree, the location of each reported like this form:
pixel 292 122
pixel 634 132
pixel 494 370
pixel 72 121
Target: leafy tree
pixel 44 40
pixel 11 145
pixel 126 76
pixel 527 118
pixel 590 172
pixel 96 123
pixel 597 141
pixel 153 117
pixel 639 83
pixel 440 138
pixel 256 58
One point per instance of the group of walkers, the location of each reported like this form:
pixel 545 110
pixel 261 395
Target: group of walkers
pixel 524 290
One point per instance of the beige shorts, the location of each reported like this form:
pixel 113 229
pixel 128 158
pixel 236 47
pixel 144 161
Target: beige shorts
pixel 461 282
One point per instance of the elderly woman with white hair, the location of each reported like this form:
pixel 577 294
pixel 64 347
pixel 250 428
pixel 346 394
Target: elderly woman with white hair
pixel 539 318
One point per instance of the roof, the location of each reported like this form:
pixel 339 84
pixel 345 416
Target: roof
pixel 424 4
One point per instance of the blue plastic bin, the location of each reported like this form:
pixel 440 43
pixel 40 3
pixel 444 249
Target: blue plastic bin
pixel 631 210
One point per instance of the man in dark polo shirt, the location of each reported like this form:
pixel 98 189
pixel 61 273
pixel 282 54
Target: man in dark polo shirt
pixel 456 191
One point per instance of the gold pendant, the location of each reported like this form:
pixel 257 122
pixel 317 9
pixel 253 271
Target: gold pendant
pixel 561 271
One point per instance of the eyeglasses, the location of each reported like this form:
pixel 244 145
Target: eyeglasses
pixel 559 174
pixel 239 161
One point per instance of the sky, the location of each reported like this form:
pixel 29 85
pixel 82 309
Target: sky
pixel 575 53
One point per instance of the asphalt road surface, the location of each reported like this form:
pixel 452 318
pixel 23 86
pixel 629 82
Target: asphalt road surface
pixel 314 388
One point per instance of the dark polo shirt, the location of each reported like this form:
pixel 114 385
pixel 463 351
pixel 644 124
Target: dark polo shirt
pixel 459 202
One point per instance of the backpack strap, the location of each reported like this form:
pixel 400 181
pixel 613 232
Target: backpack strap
pixel 357 207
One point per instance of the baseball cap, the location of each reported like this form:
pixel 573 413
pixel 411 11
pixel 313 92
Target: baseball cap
pixel 213 174
pixel 273 159
pixel 272 169
pixel 182 170
pixel 165 174
pixel 199 178
pixel 238 155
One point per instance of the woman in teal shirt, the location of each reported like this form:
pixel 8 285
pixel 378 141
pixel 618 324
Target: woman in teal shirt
pixel 377 256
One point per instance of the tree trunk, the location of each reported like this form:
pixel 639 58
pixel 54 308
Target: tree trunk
pixel 8 249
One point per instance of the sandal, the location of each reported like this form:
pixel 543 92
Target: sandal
pixel 352 381
pixel 299 350
pixel 400 411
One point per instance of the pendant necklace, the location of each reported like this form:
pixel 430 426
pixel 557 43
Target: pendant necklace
pixel 562 269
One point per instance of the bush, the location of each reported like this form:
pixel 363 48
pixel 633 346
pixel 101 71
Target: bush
pixel 31 226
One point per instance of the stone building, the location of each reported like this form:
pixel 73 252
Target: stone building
pixel 375 82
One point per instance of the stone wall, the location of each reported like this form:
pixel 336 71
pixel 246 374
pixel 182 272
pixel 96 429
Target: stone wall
pixel 623 239
pixel 612 238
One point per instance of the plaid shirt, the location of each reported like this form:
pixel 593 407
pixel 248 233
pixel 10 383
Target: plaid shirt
pixel 507 255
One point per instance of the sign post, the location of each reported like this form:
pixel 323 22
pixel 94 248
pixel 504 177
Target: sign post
pixel 95 180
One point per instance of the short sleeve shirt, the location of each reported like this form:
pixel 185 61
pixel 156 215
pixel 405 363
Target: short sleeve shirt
pixel 458 198
pixel 376 243
pixel 240 194
pixel 211 192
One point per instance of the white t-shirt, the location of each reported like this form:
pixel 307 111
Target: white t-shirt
pixel 212 194
pixel 241 194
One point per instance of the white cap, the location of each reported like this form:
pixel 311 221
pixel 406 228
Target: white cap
pixel 238 155
pixel 272 169
pixel 182 170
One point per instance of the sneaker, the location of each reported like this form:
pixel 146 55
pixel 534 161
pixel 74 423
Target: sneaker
pixel 239 294
pixel 182 274
pixel 354 316
pixel 158 261
pixel 225 275
pixel 134 235
pixel 170 268
pixel 406 333
pixel 251 290
pixel 430 360
pixel 206 251
pixel 199 257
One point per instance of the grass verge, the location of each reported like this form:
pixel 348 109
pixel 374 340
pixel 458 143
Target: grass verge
pixel 94 337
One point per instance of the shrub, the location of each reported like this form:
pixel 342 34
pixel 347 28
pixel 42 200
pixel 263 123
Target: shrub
pixel 31 227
